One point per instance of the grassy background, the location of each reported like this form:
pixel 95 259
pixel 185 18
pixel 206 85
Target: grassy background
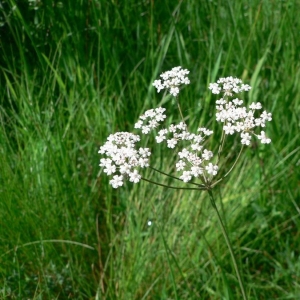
pixel 72 72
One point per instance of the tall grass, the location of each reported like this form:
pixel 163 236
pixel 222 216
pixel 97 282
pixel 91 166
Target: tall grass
pixel 72 72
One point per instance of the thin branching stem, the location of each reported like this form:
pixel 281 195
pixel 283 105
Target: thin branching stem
pixel 221 145
pixel 234 164
pixel 174 177
pixel 174 187
pixel 180 112
pixel 212 200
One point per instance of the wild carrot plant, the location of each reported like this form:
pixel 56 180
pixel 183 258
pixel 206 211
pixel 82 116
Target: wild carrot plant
pixel 196 166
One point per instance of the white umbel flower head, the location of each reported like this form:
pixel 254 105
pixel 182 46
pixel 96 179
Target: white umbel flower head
pixel 150 119
pixel 123 158
pixel 229 85
pixel 235 117
pixel 172 80
pixel 193 159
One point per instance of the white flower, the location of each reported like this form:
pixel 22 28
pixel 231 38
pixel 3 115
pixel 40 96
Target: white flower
pixel 239 126
pixel 246 138
pixel 205 131
pixel 259 122
pixel 254 105
pixel 171 143
pixel 184 153
pixel 196 171
pixel 237 101
pixel 193 158
pixel 160 138
pixel 186 176
pixel 144 152
pixel 116 181
pixel 245 87
pixel 124 160
pixel 143 162
pixel 150 119
pixel 229 129
pixel 161 135
pixel 172 80
pixel 110 169
pixel 196 147
pixel 207 155
pixel 180 165
pixel 237 118
pixel 134 176
pixel 123 157
pixel 228 85
pixel 159 86
pixel 214 87
pixel 138 124
pixel 145 129
pixel 174 91
pixel 153 123
pixel 104 162
pixel 263 138
pixel 150 113
pixel 212 169
pixel 125 168
pixel 265 116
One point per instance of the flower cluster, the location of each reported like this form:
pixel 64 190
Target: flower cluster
pixel 192 159
pixel 150 119
pixel 123 158
pixel 234 116
pixel 228 85
pixel 172 80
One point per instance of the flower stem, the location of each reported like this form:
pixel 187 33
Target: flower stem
pixel 232 167
pixel 180 112
pixel 174 187
pixel 174 177
pixel 212 200
pixel 221 145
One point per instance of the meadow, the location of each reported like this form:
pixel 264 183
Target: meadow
pixel 72 73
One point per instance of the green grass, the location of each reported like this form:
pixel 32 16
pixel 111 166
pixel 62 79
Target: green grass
pixel 73 72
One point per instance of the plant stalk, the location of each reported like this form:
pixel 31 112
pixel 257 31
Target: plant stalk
pixel 212 200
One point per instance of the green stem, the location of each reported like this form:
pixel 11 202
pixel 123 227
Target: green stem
pixel 174 177
pixel 174 187
pixel 221 146
pixel 234 164
pixel 180 112
pixel 212 200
